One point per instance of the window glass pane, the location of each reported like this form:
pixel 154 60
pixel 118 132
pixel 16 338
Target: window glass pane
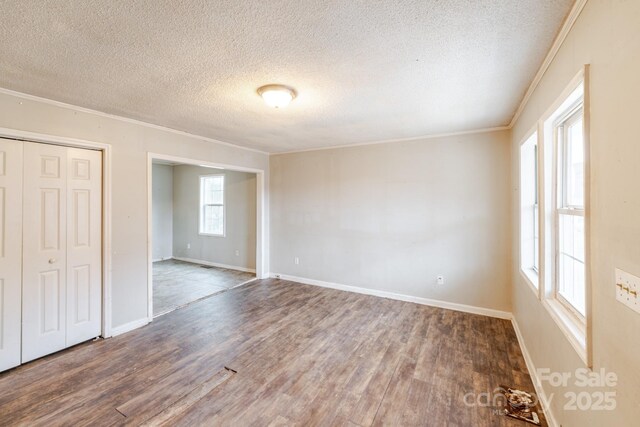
pixel 207 189
pixel 571 270
pixel 213 190
pixel 536 238
pixel 575 164
pixel 529 233
pixel 217 183
pixel 216 197
pixel 213 220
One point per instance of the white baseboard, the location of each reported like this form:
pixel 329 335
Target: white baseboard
pixel 216 264
pixel 542 396
pixel 391 295
pixel 128 327
pixel 162 259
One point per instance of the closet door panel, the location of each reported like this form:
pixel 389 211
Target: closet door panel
pixel 84 245
pixel 44 267
pixel 10 252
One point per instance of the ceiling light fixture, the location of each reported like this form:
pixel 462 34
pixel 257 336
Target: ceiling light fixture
pixel 277 96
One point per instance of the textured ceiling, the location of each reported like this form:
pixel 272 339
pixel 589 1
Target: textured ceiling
pixel 364 70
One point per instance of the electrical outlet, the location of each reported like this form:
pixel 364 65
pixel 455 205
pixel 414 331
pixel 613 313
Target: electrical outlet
pixel 277 276
pixel 440 279
pixel 237 253
pixel 627 288
pixel 296 260
pixel 188 245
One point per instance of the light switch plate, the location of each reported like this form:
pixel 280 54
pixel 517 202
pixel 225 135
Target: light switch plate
pixel 627 289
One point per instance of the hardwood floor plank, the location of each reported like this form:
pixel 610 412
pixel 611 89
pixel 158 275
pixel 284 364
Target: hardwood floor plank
pixel 182 405
pixel 393 405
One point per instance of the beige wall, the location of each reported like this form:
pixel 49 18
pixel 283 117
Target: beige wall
pixel 162 199
pixel 240 218
pixel 130 144
pixel 607 36
pixel 391 217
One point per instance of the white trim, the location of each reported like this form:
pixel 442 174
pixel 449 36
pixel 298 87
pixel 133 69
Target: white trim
pixel 533 373
pixel 177 160
pixel 106 205
pixel 588 274
pixel 162 259
pixel 216 264
pixel 390 141
pixel 150 238
pixel 128 327
pixel 122 119
pixel 400 297
pixel 555 47
pixel 261 247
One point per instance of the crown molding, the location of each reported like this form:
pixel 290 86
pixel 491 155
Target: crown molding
pixel 553 51
pixel 123 119
pixel 388 141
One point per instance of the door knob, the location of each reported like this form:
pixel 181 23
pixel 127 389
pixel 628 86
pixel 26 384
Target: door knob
pixel 52 260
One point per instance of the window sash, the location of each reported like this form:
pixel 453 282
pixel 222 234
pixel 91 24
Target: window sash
pixel 564 209
pixel 529 208
pixel 575 114
pixel 536 210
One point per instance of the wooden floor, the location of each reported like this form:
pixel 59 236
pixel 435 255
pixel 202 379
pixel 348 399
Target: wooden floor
pixel 177 283
pixel 275 353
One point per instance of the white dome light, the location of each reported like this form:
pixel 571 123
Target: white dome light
pixel 276 96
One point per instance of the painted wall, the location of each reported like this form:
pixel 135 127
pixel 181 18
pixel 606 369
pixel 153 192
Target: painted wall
pixel 607 36
pixel 130 143
pixel 391 217
pixel 162 200
pixel 240 220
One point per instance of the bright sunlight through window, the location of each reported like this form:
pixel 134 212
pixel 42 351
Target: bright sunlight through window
pixel 212 205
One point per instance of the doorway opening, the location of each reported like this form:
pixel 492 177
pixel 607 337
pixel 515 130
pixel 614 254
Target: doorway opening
pixel 205 231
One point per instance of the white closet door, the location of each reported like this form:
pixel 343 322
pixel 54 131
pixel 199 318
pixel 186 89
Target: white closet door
pixel 10 251
pixel 44 262
pixel 84 245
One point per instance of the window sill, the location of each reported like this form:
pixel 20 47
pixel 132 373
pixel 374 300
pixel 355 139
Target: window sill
pixel 572 329
pixel 531 277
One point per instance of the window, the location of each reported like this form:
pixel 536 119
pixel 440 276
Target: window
pixel 212 205
pixel 529 219
pixel 565 285
pixel 570 234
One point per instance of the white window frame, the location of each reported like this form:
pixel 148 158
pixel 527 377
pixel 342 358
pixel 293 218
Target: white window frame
pixel 201 206
pixel 576 329
pixel 562 207
pixel 530 272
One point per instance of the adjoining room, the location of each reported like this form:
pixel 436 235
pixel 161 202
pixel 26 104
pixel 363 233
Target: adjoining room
pixel 204 232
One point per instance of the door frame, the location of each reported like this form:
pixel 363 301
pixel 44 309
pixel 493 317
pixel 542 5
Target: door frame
pixel 261 248
pixel 41 138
